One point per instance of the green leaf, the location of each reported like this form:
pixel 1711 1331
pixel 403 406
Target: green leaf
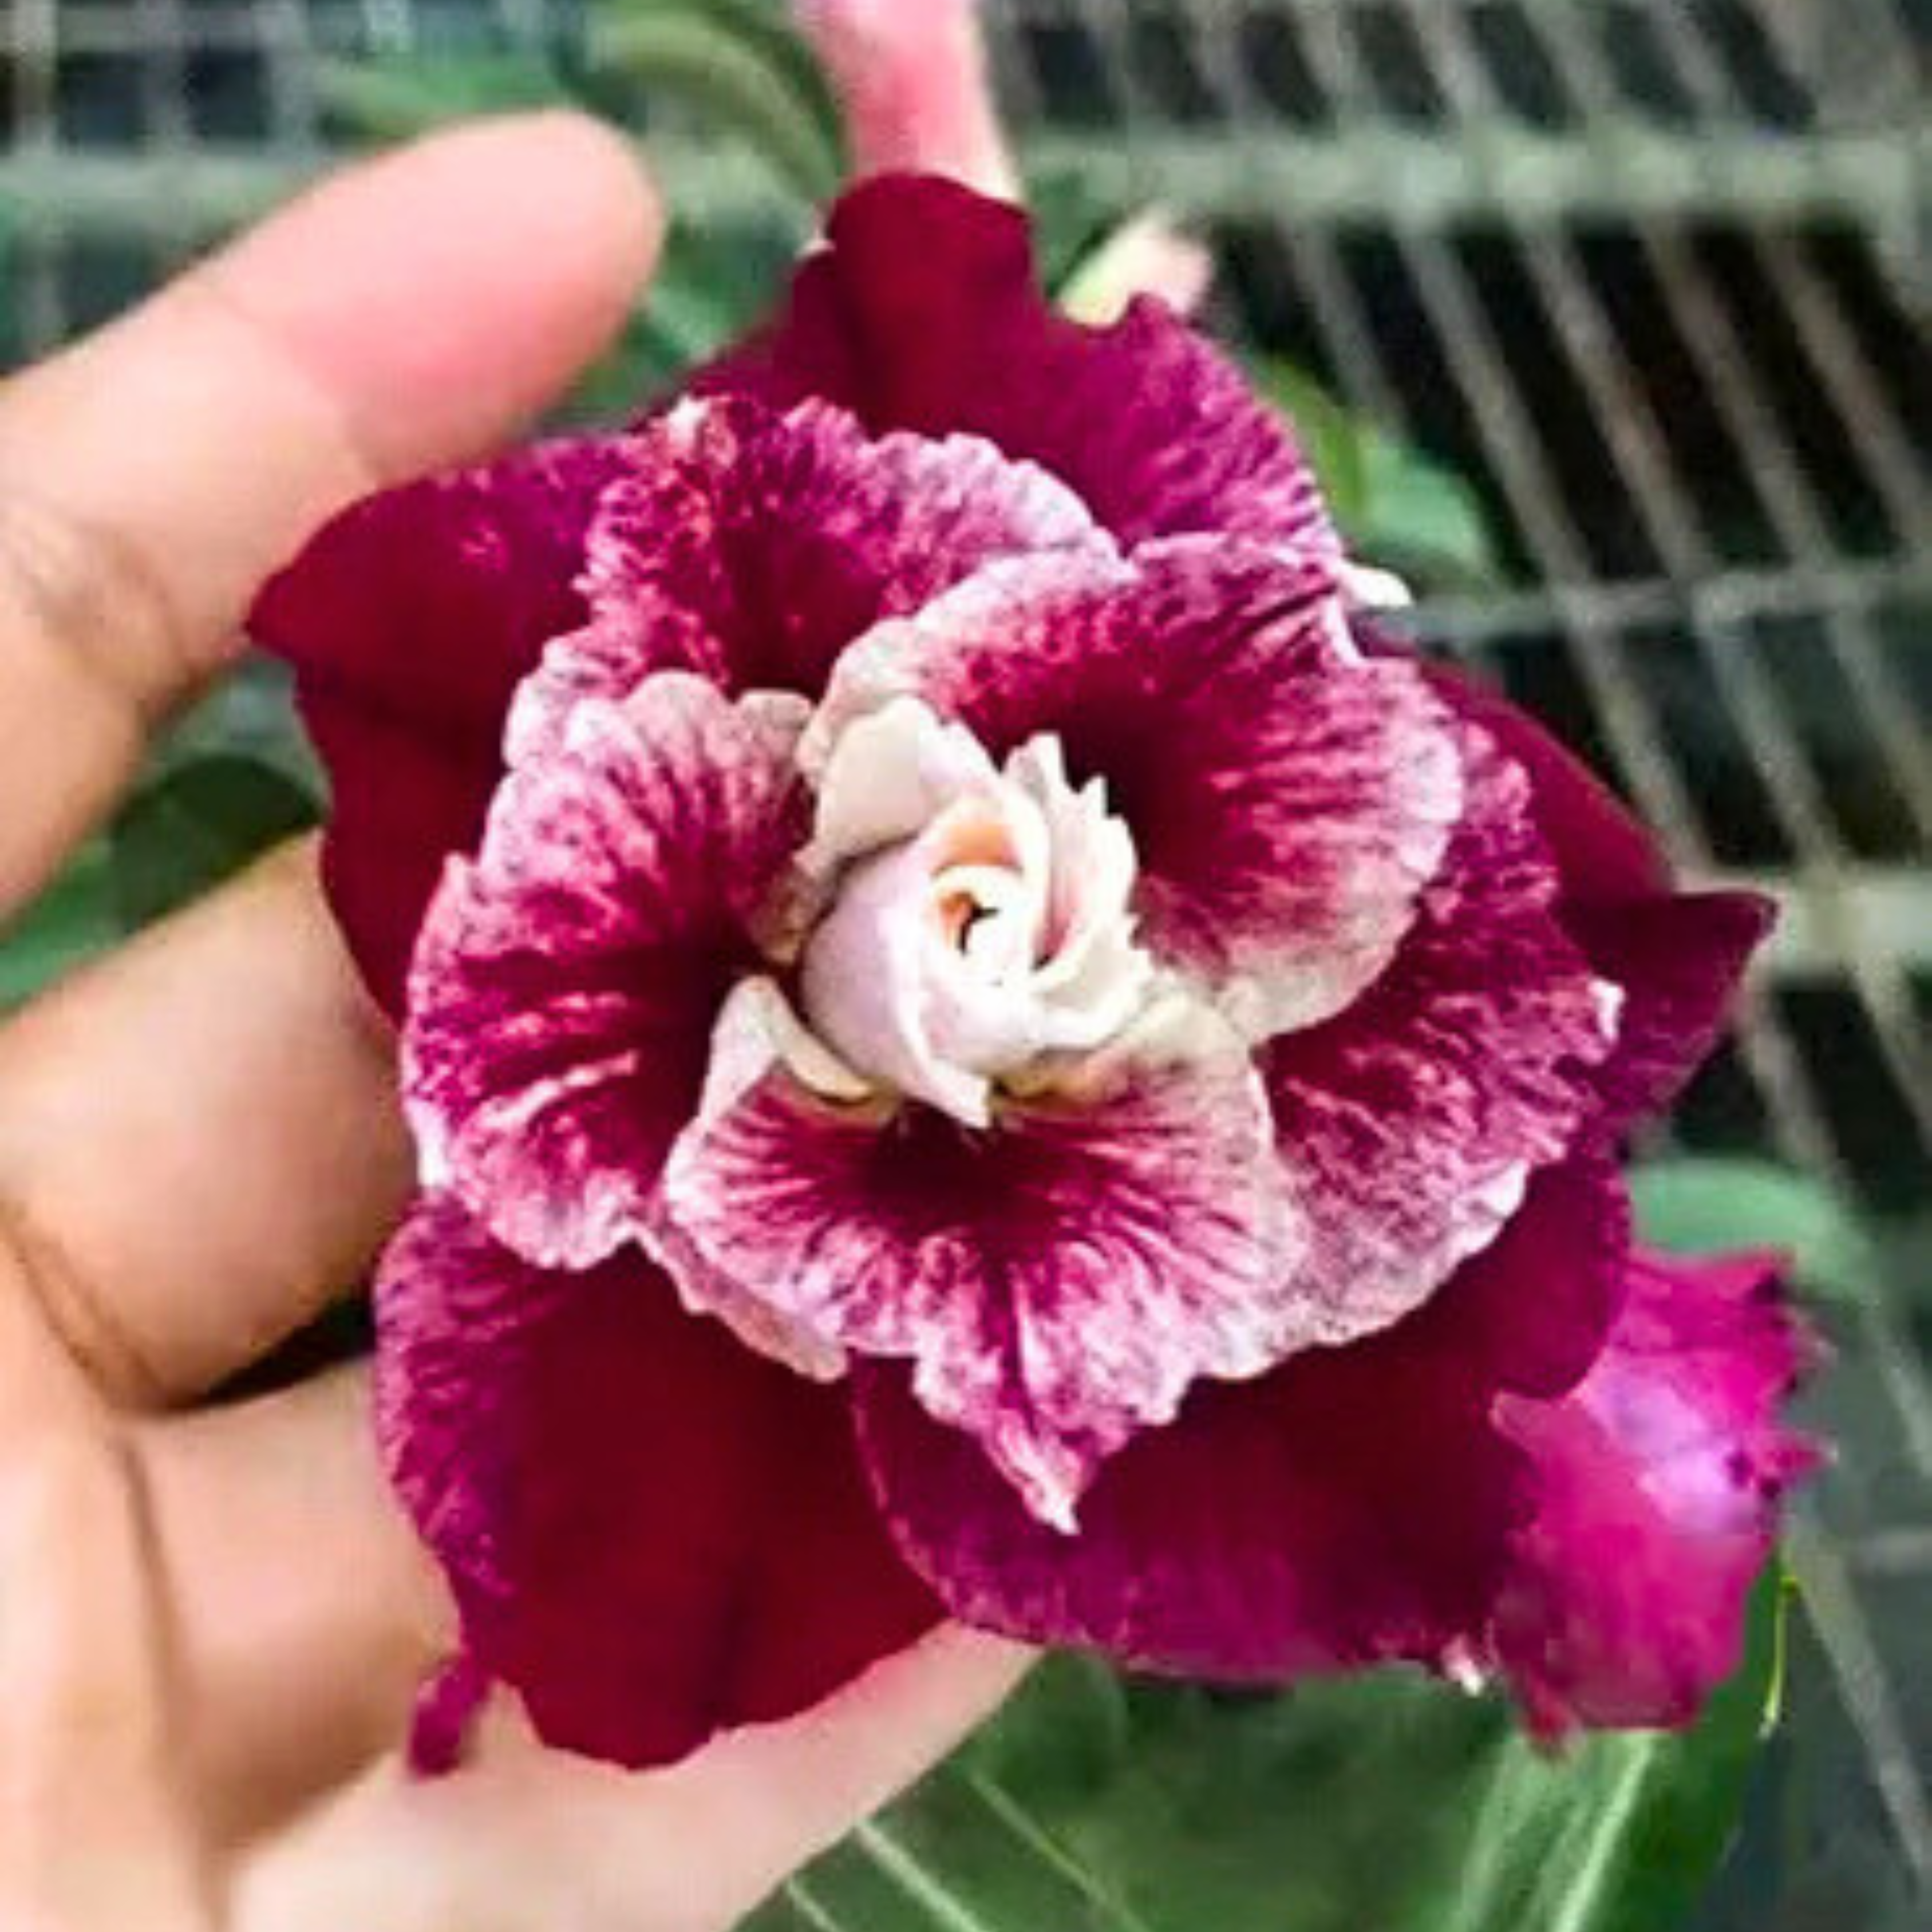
pixel 709 289
pixel 393 97
pixel 190 829
pixel 1401 508
pixel 1096 1804
pixel 75 919
pixel 1068 1734
pixel 1070 222
pixel 234 776
pixel 1332 440
pixel 1420 516
pixel 1624 1833
pixel 251 714
pixel 1702 1203
pixel 739 63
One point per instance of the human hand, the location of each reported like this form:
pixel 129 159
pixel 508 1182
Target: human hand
pixel 211 1616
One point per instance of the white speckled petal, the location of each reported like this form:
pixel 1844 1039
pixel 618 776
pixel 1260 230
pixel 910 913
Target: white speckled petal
pixel 753 547
pixel 567 979
pixel 1058 1284
pixel 1409 1125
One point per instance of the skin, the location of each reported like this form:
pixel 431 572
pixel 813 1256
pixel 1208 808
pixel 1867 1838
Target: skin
pixel 212 1619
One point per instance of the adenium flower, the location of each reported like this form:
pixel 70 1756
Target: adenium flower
pixel 984 1043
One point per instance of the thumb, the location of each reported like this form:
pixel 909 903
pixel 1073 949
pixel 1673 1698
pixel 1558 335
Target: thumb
pixel 523 1840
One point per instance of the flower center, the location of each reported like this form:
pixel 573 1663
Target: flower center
pixel 979 929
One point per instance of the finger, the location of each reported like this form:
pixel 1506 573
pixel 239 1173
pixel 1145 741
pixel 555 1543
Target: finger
pixel 403 315
pixel 95 1831
pixel 913 84
pixel 200 1137
pixel 524 1840
pixel 307 1613
pixel 781 1795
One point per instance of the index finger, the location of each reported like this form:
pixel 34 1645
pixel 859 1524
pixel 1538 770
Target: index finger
pixel 405 314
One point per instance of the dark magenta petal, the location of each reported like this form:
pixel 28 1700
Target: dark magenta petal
pixel 924 312
pixel 1356 1504
pixel 1353 1506
pixel 1409 1125
pixel 1059 1281
pixel 1658 1482
pixel 1679 958
pixel 410 620
pixel 1601 851
pixel 652 1533
pixel 755 547
pixel 402 802
pixel 1288 801
pixel 563 994
pixel 1531 1312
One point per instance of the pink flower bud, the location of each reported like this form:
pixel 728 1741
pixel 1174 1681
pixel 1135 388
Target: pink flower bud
pixel 912 76
pixel 1148 256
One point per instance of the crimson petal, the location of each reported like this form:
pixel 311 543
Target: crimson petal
pixel 1601 851
pixel 1678 957
pixel 1532 1312
pixel 1353 1506
pixel 568 979
pixel 1657 1481
pixel 923 312
pixel 652 1533
pixel 410 621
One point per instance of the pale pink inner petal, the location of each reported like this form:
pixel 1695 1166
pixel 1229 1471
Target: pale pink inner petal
pixel 977 920
pixel 867 980
pixel 893 774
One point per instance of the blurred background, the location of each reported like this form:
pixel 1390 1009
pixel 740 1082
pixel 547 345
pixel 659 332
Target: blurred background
pixel 1605 321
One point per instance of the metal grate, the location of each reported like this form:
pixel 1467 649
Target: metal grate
pixel 1652 274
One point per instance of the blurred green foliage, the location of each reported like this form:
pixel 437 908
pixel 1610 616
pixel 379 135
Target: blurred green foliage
pixel 1700 1204
pixel 233 777
pixel 1397 506
pixel 1096 1803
